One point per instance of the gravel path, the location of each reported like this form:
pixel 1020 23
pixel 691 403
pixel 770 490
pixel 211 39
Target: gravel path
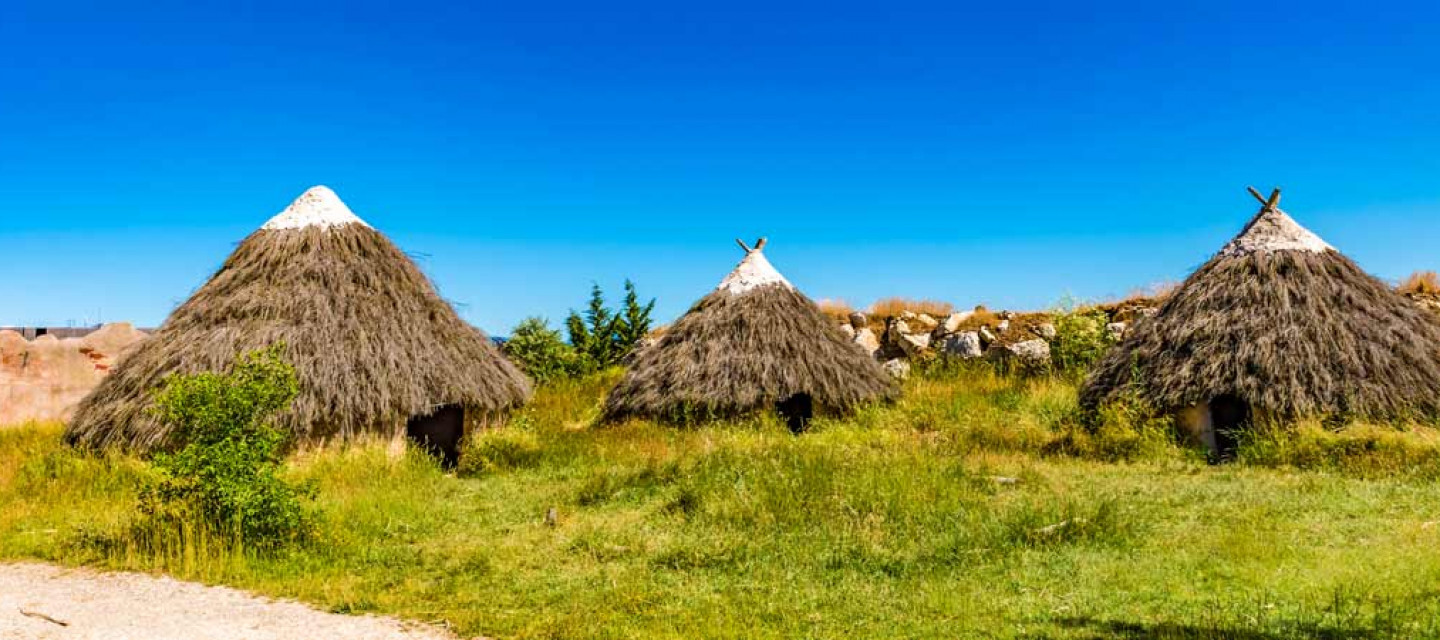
pixel 40 602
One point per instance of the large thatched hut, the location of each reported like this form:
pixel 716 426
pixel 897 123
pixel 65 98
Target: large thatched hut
pixel 374 346
pixel 755 343
pixel 1277 324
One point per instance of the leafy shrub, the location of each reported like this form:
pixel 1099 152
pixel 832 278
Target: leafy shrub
pixel 225 474
pixel 542 354
pixel 1081 339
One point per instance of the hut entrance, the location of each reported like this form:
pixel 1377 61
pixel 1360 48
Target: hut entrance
pixel 1228 415
pixel 796 411
pixel 439 433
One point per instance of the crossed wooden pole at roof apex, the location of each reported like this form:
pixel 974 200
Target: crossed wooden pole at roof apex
pixel 1269 203
pixel 759 244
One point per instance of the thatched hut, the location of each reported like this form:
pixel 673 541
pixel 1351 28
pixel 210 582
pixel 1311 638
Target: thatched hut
pixel 755 343
pixel 373 344
pixel 1277 324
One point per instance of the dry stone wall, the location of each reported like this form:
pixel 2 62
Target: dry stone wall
pixel 1013 339
pixel 1021 339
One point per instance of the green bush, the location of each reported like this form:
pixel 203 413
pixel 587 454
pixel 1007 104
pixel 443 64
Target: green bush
pixel 599 338
pixel 1081 339
pixel 542 354
pixel 225 473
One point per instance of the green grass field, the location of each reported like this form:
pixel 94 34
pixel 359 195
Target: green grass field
pixel 974 507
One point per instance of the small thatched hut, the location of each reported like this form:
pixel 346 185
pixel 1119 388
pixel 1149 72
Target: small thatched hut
pixel 1277 324
pixel 755 343
pixel 373 344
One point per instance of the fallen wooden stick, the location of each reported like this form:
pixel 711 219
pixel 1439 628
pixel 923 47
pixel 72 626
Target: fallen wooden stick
pixel 37 614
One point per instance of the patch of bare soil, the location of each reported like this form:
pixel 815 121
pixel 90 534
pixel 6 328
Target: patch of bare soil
pixel 40 602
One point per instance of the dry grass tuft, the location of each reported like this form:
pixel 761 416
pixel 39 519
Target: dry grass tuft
pixel 1421 283
pixel 1153 292
pixel 890 307
pixel 981 317
pixel 836 309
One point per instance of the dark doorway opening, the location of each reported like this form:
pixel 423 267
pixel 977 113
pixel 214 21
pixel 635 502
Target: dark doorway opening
pixel 796 411
pixel 439 433
pixel 1228 415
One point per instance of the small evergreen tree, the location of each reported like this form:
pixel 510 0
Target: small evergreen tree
pixel 634 321
pixel 604 337
pixel 592 334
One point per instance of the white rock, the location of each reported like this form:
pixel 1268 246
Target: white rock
pixel 912 344
pixel 953 321
pixel 926 323
pixel 1004 325
pixel 867 341
pixel 1029 354
pixel 965 344
pixel 985 336
pixel 1116 330
pixel 848 330
pixel 858 320
pixel 898 368
pixel 1046 331
pixel 1035 351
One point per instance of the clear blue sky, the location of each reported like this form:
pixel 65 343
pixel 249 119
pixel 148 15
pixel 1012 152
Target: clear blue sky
pixel 1004 153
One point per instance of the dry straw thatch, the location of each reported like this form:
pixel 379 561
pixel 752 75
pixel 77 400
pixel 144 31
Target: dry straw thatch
pixel 1287 324
pixel 752 342
pixel 371 340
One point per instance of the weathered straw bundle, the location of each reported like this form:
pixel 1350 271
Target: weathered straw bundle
pixel 1284 322
pixel 753 342
pixel 372 342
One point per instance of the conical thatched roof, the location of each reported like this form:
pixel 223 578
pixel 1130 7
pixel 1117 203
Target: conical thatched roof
pixel 371 341
pixel 752 342
pixel 1283 321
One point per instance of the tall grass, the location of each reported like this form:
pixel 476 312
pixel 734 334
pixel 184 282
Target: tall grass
pixel 977 505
